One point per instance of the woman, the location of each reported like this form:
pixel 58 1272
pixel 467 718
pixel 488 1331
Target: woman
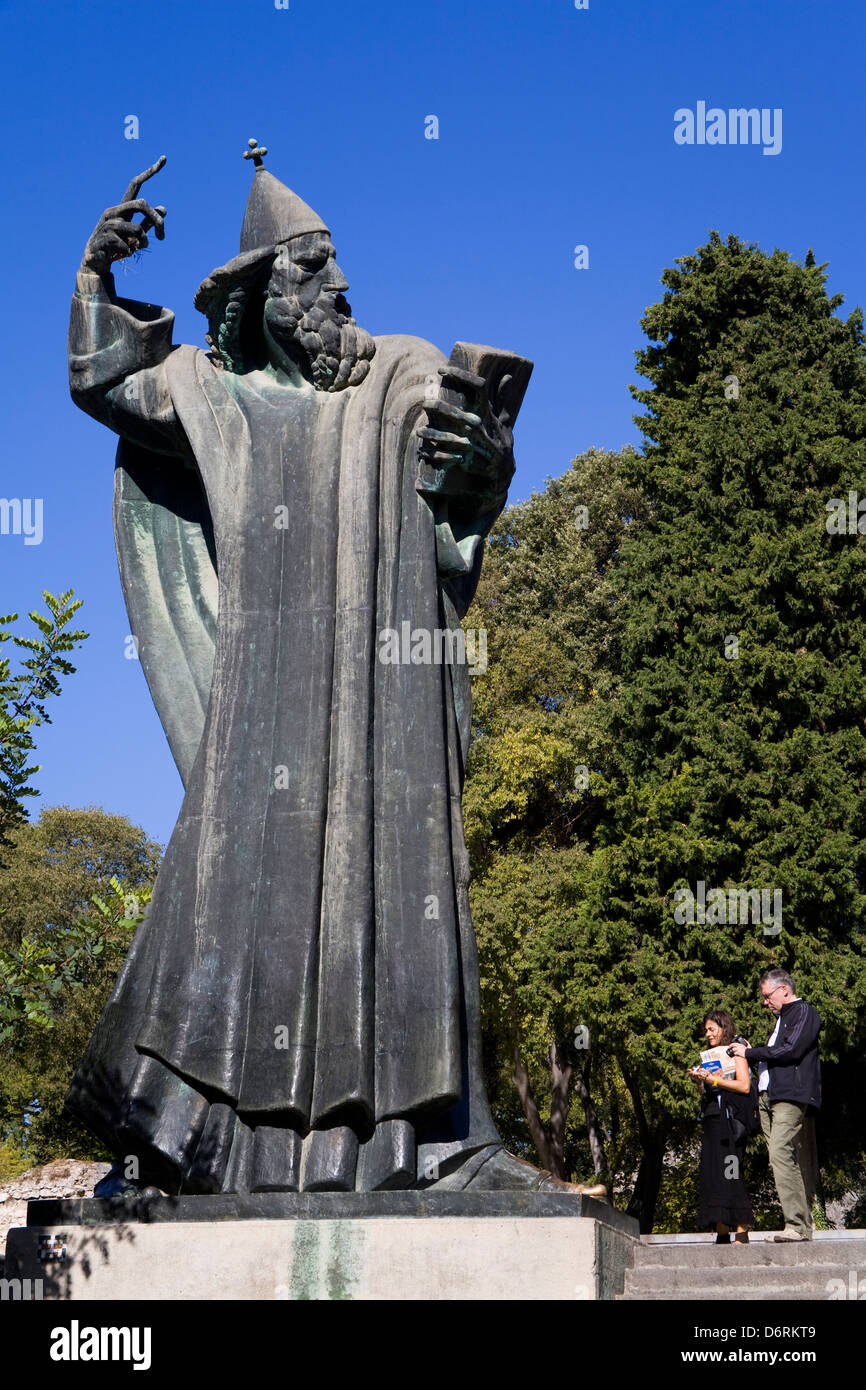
pixel 724 1201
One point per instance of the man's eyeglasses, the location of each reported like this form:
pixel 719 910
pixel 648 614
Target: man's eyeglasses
pixel 765 997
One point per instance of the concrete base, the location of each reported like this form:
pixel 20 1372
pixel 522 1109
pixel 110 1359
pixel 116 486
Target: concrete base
pixel 398 1246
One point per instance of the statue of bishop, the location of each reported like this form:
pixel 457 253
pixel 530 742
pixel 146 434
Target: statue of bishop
pixel 300 1009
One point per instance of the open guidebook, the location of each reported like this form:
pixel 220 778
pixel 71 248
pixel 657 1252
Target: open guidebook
pixel 716 1059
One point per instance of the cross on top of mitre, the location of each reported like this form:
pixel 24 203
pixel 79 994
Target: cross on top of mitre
pixel 255 153
pixel 274 213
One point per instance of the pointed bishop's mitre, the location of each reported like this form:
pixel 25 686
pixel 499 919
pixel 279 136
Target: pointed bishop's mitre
pixel 274 214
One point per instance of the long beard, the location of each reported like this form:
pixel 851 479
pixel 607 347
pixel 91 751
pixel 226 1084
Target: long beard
pixel 338 351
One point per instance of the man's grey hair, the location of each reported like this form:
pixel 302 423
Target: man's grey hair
pixel 777 978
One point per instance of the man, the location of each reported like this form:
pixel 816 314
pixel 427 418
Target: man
pixel 300 1009
pixel 789 1094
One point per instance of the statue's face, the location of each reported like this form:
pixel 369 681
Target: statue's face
pixel 307 317
pixel 309 264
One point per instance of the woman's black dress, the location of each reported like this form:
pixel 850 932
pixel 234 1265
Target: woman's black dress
pixel 723 1195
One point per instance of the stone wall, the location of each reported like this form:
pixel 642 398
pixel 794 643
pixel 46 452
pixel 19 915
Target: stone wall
pixel 65 1177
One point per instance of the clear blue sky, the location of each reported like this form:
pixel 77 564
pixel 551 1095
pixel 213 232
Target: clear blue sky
pixel 556 129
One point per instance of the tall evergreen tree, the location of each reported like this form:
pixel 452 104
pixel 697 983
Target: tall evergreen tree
pixel 739 732
pixel 707 669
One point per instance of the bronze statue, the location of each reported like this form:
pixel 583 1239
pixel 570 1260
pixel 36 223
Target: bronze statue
pixel 299 1010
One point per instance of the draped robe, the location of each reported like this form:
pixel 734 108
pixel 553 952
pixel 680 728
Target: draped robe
pixel 299 1009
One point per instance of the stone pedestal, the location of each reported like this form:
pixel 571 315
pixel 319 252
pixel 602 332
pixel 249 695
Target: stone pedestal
pixel 264 1246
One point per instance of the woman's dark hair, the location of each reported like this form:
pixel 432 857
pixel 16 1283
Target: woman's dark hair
pixel 724 1021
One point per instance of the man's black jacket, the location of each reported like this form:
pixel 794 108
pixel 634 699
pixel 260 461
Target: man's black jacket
pixel 795 1071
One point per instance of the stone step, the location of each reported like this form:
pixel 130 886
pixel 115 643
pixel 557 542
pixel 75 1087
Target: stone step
pixel 643 1279
pixel 831 1266
pixel 771 1294
pixel 708 1238
pixel 708 1255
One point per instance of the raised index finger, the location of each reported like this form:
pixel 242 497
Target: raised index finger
pixel 132 190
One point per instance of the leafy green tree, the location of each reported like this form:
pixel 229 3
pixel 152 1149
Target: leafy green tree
pixel 74 886
pixel 33 976
pixel 23 696
pixel 531 804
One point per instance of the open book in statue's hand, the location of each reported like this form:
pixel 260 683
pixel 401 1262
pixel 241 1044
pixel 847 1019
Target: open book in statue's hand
pixel 466 447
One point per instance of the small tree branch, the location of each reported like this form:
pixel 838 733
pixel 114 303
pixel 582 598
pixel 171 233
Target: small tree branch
pixel 560 1071
pixel 593 1124
pixel 530 1110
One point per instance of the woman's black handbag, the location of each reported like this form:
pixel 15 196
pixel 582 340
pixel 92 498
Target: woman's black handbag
pixel 736 1127
pixel 753 1116
pixel 744 1120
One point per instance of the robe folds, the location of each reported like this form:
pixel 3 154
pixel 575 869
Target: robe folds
pixel 299 1009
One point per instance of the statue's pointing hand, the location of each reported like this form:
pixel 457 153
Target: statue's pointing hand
pixel 115 235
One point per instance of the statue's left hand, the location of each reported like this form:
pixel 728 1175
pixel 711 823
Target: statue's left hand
pixel 466 438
